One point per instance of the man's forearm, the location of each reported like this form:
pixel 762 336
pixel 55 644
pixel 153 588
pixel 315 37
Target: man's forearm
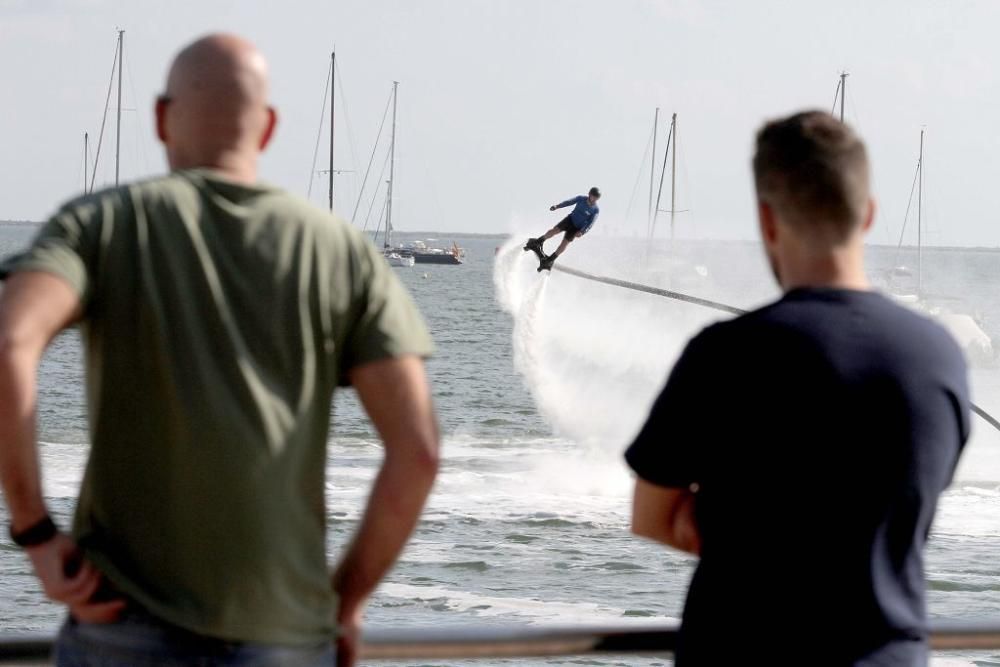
pixel 666 515
pixel 397 499
pixel 19 470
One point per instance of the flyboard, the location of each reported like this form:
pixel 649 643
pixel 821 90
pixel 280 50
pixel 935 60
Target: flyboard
pixel 542 257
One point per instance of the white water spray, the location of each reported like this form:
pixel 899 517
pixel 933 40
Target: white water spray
pixel 594 356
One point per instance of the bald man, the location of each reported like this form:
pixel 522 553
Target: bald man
pixel 218 315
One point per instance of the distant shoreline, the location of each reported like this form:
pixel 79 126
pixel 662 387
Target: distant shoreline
pixel 447 236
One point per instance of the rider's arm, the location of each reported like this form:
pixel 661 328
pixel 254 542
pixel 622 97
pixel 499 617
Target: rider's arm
pixel 568 202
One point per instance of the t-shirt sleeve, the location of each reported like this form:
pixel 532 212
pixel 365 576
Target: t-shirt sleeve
pixel 387 322
pixel 666 451
pixel 65 247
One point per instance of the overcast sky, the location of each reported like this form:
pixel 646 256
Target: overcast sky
pixel 508 106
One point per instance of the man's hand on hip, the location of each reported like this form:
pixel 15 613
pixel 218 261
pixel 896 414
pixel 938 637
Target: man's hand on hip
pixel 348 636
pixel 67 577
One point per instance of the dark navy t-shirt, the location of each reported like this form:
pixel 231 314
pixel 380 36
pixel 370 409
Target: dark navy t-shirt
pixel 818 433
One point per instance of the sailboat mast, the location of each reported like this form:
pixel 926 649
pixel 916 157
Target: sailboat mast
pixel 333 78
pixel 118 135
pixel 86 159
pixel 920 206
pixel 663 174
pixel 392 167
pixel 652 174
pixel 673 175
pixel 843 93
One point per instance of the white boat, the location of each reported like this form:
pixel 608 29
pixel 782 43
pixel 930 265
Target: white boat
pixel 396 259
pixel 395 256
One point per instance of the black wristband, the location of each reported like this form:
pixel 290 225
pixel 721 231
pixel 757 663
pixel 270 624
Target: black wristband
pixel 35 535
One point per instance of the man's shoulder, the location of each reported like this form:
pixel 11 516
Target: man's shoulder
pixel 832 314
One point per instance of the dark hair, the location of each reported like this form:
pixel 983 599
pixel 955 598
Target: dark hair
pixel 594 192
pixel 813 170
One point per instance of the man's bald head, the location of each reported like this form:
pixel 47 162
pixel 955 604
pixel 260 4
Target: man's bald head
pixel 215 110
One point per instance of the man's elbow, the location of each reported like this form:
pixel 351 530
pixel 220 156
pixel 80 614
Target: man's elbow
pixel 421 457
pixel 428 459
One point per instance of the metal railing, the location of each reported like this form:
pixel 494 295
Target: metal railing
pixel 478 642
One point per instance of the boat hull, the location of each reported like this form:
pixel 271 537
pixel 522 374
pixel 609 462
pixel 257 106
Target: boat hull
pixel 436 258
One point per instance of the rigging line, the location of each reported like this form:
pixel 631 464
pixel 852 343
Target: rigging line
pixel 642 172
pixel 104 119
pixel 140 145
pixel 381 179
pixel 836 96
pixel 347 122
pixel 909 203
pixel 663 172
pixel 319 132
pixel 714 305
pixel 381 219
pixel 364 182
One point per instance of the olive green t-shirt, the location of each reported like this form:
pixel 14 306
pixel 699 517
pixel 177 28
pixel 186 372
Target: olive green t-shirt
pixel 218 319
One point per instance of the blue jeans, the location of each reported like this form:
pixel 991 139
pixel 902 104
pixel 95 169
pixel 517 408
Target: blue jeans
pixel 138 639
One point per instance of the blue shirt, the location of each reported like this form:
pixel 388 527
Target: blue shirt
pixel 583 215
pixel 820 431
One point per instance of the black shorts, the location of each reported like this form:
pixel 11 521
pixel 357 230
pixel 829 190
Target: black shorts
pixel 567 226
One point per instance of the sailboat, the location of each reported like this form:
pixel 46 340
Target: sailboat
pixel 679 271
pixel 417 251
pixel 393 255
pixel 964 329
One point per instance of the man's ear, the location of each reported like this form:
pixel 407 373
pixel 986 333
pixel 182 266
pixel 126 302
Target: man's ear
pixel 768 222
pixel 272 122
pixel 161 118
pixel 870 211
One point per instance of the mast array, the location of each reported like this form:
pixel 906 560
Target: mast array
pixel 670 153
pixel 840 95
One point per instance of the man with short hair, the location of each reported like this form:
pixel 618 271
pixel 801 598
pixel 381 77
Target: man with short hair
pixel 800 450
pixel 218 315
pixel 577 223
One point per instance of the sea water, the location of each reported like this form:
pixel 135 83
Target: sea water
pixel 539 382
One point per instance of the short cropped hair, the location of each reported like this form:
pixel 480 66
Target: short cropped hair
pixel 813 171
